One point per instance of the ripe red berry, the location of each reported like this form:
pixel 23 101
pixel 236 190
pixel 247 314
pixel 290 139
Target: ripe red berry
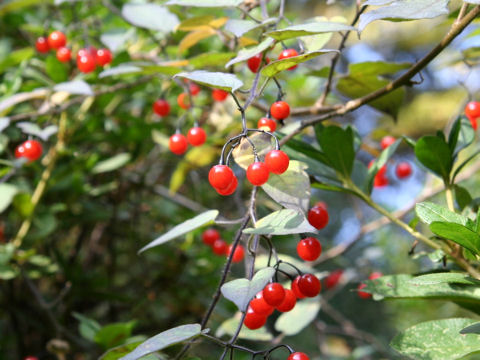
pixel 196 136
pixel 386 141
pixel 254 62
pixel 86 63
pixel 194 89
pixel 238 254
pixel 318 217
pixel 273 294
pixel 296 289
pixel 298 356
pixel 380 180
pixel 403 170
pixel 220 176
pixel 288 302
pixel 178 144
pixel 219 247
pixel 473 122
pixel 161 107
pixel 87 51
pixel 363 294
pixel 259 305
pixel 375 275
pixel 288 53
pixel 309 285
pixel 472 109
pixel 257 173
pixel 219 95
pixel 30 358
pixel 183 101
pixel 57 39
pixel 333 278
pixel 64 54
pixel 254 320
pixel 209 236
pixel 267 123
pixel 42 45
pixel 309 249
pixel 277 161
pixel 230 189
pixel 280 110
pixel 103 57
pixel 31 149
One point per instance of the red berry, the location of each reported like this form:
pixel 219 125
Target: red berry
pixel 296 289
pixel 103 57
pixel 268 123
pixel 277 161
pixel 321 204
pixel 86 51
pixel 183 101
pixel 288 53
pixel 31 149
pixel 309 249
pixel 161 107
pixel 42 45
pixel 219 95
pixel 309 285
pixel 386 141
pixel 253 320
pixel 178 144
pixel 230 189
pixel 363 294
pixel 196 136
pixel 209 236
pixel 194 89
pixel 254 62
pixel 273 294
pixel 238 254
pixel 318 217
pixel 472 109
pixel 280 110
pixel 257 173
pixel 403 170
pixel 380 180
pixel 86 63
pixel 30 358
pixel 219 247
pixel 288 302
pixel 298 356
pixel 473 122
pixel 64 54
pixel 259 305
pixel 220 176
pixel 333 278
pixel 375 275
pixel 57 39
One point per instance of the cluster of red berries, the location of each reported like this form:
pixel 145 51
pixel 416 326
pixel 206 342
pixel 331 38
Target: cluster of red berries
pixel 183 98
pixel 318 215
pixel 211 237
pixel 87 59
pixel 403 169
pixel 275 296
pixel 254 62
pixel 472 112
pixel 363 294
pixel 178 143
pixel 30 149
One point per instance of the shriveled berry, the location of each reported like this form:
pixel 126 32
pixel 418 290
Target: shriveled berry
pixel 42 45
pixel 253 320
pixel 220 176
pixel 403 169
pixel 219 95
pixel 196 136
pixel 30 149
pixel 103 57
pixel 277 161
pixel 280 110
pixel 309 285
pixel 387 141
pixel 57 39
pixel 318 217
pixel 239 253
pixel 183 101
pixel 265 122
pixel 309 249
pixel 296 289
pixel 257 173
pixel 288 53
pixel 219 247
pixel 178 144
pixel 64 54
pixel 209 236
pixel 288 302
pixel 298 356
pixel 273 294
pixel 161 107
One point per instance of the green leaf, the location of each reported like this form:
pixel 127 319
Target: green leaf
pixel 294 321
pixel 281 222
pixel 240 27
pixel 205 3
pixel 246 54
pixel 471 329
pixel 200 220
pixel 275 67
pixel 230 326
pixel 76 87
pixel 165 339
pixel 444 277
pixel 429 212
pixel 337 145
pixel 150 16
pixel 114 334
pixel 379 163
pixel 13 5
pixel 290 189
pixel 462 196
pixel 403 10
pixel 7 192
pixel 461 135
pixel 87 327
pixel 261 261
pixel 211 59
pixel 139 68
pixel 312 28
pixel 434 153
pixel 241 291
pixel 460 234
pixel 111 164
pixel 56 70
pixel 15 57
pixel 218 80
pixel 364 78
pixel 437 340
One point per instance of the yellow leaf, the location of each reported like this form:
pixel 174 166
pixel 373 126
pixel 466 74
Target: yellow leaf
pixel 201 156
pixel 174 63
pixel 195 23
pixel 178 176
pixel 246 41
pixel 194 37
pixel 218 23
pixel 243 153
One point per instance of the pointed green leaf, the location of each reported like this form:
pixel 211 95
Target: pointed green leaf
pixel 275 67
pixel 460 234
pixel 150 16
pixel 111 164
pixel 434 153
pixel 7 192
pixel 246 54
pixel 337 145
pixel 312 28
pixel 113 334
pixel 218 80
pixel 281 222
pixel 445 277
pixel 429 212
